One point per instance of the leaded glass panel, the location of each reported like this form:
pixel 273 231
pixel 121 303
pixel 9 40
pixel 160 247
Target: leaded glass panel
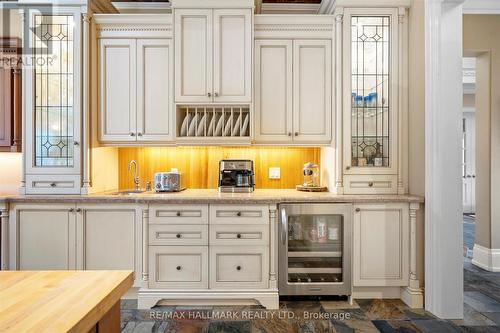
pixel 53 40
pixel 370 98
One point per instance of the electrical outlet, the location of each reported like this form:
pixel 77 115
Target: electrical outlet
pixel 274 173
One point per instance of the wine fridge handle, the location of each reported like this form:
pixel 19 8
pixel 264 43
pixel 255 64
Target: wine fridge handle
pixel 284 226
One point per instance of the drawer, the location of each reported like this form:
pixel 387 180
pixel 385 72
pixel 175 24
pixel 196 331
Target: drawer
pixel 53 184
pixel 239 234
pixel 239 267
pixel 178 267
pixel 178 214
pixel 370 184
pixel 239 214
pixel 191 234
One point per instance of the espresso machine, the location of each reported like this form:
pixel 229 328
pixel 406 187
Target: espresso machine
pixel 236 176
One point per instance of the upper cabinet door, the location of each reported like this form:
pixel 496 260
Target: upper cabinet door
pixel 5 107
pixel 154 89
pixel 118 89
pixel 193 55
pixel 273 91
pixel 312 91
pixel 232 55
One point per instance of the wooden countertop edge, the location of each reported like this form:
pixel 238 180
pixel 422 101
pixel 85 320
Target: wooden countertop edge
pixel 95 314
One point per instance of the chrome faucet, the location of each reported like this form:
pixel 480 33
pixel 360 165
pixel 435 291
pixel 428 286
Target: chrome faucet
pixel 137 186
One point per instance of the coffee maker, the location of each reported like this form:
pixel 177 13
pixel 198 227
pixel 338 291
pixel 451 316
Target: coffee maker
pixel 236 176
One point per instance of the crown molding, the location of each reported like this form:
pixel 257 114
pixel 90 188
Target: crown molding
pixel 143 7
pixel 290 8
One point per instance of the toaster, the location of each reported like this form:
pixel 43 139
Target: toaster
pixel 168 182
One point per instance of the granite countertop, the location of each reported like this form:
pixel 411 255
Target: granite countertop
pixel 200 196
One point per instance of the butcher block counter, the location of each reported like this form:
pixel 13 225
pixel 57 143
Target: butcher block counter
pixel 62 301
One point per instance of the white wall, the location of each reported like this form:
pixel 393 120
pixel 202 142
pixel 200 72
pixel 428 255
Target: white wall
pixel 10 172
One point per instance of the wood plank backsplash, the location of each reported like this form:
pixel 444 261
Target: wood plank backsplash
pixel 200 165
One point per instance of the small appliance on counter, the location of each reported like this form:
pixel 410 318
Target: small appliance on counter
pixel 168 181
pixel 311 179
pixel 236 176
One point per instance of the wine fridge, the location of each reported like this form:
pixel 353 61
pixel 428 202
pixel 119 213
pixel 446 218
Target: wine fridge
pixel 314 250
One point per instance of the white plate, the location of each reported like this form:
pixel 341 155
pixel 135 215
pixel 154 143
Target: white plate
pixel 192 125
pixel 185 123
pixel 245 125
pixel 218 130
pixel 227 129
pixel 236 128
pixel 201 126
pixel 210 129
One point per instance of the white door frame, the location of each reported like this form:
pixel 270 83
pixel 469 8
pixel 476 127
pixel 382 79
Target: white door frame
pixel 443 181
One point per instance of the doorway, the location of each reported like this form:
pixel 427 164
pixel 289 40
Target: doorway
pixel 469 154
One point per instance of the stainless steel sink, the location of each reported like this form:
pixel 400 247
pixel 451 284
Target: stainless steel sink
pixel 128 192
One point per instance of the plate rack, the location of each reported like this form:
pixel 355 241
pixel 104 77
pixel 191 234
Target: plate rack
pixel 213 122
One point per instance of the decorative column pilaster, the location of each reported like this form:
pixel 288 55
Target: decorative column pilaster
pixel 339 173
pixel 26 46
pixel 273 250
pixel 4 221
pixel 402 99
pixel 413 295
pixel 145 248
pixel 86 18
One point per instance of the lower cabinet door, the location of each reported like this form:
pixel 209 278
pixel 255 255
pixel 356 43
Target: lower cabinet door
pixel 237 267
pixel 381 245
pixel 43 237
pixel 110 238
pixel 178 267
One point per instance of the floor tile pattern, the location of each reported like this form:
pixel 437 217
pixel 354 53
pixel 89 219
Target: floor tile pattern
pixel 481 314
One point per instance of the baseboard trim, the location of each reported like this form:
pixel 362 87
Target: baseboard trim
pixel 488 259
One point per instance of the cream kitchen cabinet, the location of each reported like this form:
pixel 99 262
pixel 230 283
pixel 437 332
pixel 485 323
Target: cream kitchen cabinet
pixel 42 237
pixel 293 97
pixel 381 239
pixel 213 55
pixel 109 237
pixel 136 88
pixel 68 236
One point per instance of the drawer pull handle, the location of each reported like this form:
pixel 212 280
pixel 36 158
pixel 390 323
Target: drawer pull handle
pixel 178 214
pixel 178 236
pixel 370 184
pixel 238 268
pixel 179 268
pixel 238 236
pixel 52 184
pixel 238 214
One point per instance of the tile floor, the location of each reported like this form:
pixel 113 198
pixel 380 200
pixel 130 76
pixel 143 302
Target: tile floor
pixel 481 314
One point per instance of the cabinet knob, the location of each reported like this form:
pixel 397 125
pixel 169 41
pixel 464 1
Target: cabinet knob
pixel 238 236
pixel 370 184
pixel 238 268
pixel 238 214
pixel 132 134
pixel 348 167
pixel 209 94
pixel 52 184
pixel 179 268
pixel 289 133
pixel 76 143
pixel 139 134
pixel 178 214
pixel 78 210
pixel 71 210
pixel 216 94
pixel 296 133
pixel 178 236
pixel 358 210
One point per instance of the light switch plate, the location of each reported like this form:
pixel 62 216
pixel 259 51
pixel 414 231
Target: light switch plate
pixel 274 173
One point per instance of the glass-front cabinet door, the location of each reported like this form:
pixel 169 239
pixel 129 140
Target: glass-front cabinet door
pixel 370 91
pixel 314 250
pixel 53 112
